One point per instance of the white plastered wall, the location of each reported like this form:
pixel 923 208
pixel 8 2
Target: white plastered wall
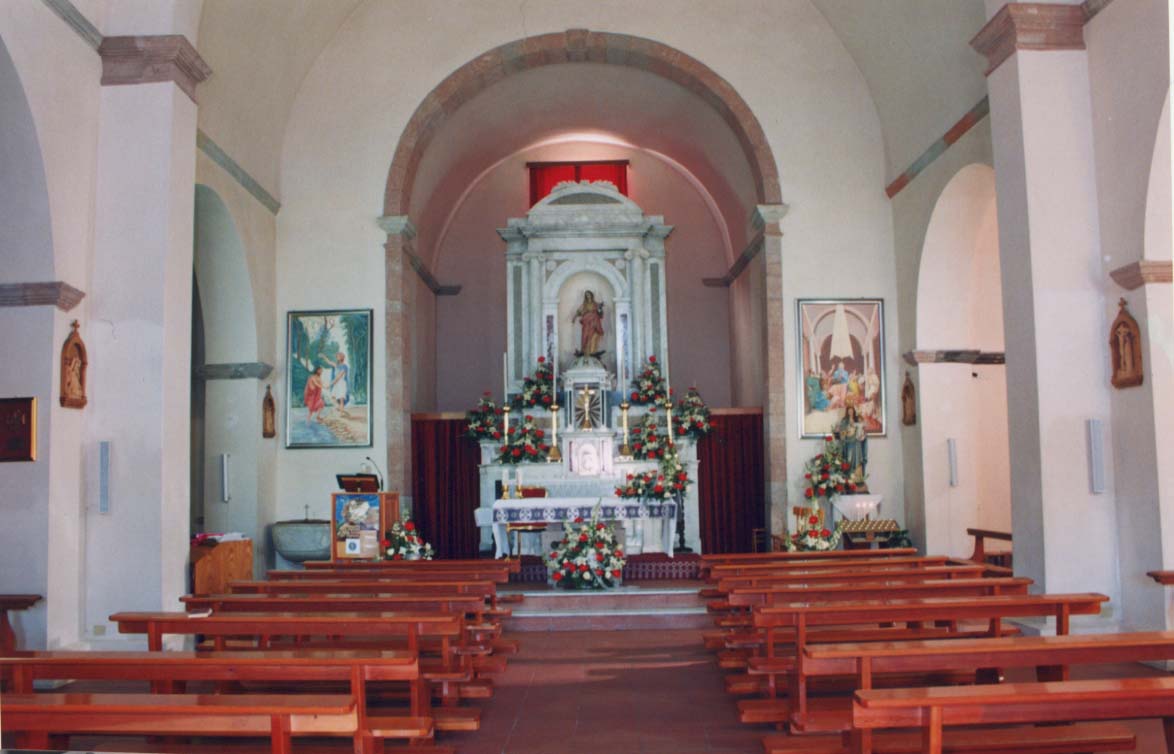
pixel 959 307
pixel 1128 42
pixel 783 59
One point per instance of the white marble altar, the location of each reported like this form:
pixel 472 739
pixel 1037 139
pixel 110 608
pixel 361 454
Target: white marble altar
pixel 587 237
pixel 553 511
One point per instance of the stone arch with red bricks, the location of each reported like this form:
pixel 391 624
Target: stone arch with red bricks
pixel 575 46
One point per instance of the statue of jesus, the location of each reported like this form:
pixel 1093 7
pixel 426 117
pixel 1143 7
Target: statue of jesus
pixel 590 316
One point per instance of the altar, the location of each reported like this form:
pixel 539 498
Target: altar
pixel 585 275
pixel 556 511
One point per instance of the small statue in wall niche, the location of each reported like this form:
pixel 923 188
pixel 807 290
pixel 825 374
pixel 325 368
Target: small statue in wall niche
pixel 590 317
pixel 1125 349
pixel 73 370
pixel 908 402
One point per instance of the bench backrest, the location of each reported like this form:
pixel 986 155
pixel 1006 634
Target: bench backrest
pixel 849 591
pixel 253 603
pixel 485 588
pixel 850 574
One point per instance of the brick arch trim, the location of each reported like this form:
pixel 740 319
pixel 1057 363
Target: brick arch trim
pixel 577 46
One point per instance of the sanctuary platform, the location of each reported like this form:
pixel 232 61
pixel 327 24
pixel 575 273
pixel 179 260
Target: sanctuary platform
pixel 645 605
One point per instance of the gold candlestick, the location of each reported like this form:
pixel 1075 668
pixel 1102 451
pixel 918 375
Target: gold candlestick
pixel 505 431
pixel 669 414
pixel 555 454
pixel 625 449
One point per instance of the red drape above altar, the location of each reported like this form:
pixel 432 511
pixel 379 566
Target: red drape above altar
pixel 544 176
pixel 445 485
pixel 732 485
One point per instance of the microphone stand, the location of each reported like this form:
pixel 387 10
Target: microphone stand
pixel 378 472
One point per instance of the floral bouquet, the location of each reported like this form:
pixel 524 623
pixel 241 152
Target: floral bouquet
pixel 538 390
pixel 403 542
pixel 815 536
pixel 691 417
pixel 525 443
pixel 649 387
pixel 646 440
pixel 827 474
pixel 484 421
pixel 654 485
pixel 587 557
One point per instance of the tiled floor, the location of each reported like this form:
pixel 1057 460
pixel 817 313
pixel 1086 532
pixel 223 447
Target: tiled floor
pixel 631 692
pixel 642 692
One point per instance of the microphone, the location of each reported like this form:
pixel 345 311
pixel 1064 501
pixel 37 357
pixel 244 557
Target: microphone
pixel 379 472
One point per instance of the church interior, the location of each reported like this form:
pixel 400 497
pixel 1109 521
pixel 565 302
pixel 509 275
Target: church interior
pixel 498 371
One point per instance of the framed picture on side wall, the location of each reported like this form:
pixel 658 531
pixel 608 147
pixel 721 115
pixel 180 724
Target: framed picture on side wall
pixel 841 364
pixel 328 384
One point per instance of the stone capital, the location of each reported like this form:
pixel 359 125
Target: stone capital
pixel 151 59
pixel 1143 272
pixel 768 217
pixel 249 370
pixel 397 225
pixel 1030 26
pixel 55 293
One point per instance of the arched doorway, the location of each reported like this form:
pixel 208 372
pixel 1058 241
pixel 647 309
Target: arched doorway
pixel 29 337
pixel 226 394
pixel 963 405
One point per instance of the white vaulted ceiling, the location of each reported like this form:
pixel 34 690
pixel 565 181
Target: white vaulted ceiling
pixel 914 54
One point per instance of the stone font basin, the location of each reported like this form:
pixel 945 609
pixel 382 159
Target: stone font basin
pixel 302 540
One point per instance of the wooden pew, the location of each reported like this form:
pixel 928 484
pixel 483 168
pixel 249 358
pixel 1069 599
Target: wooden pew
pixel 720 595
pixel 487 589
pixel 330 631
pixel 12 602
pixel 1049 655
pixel 980 554
pixel 514 566
pixel 794 623
pixel 499 574
pixel 748 569
pixel 277 717
pixel 170 671
pixel 709 561
pixel 933 709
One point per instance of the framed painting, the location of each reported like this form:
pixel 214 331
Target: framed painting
pixel 328 382
pixel 841 364
pixel 18 429
pixel 360 519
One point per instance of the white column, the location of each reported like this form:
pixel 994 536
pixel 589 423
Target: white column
pixel 1053 294
pixel 140 326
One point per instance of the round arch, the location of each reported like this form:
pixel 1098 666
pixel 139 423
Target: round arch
pixel 576 45
pixel 960 307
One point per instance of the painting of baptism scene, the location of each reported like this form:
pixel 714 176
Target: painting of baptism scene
pixel 329 379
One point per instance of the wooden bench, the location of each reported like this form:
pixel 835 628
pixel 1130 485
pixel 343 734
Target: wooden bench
pixel 1049 655
pixel 981 555
pixel 498 574
pixel 35 717
pixel 487 589
pixel 794 624
pixel 170 671
pixel 12 602
pixel 709 561
pixel 933 709
pixel 860 575
pixel 411 565
pixel 264 631
pixel 469 604
pixel 837 591
pixel 743 569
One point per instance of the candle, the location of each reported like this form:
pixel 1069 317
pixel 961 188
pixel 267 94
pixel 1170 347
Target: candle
pixel 554 425
pixel 505 432
pixel 505 380
pixel 669 414
pixel 518 481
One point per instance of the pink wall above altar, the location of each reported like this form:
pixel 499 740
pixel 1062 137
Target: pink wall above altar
pixel 471 329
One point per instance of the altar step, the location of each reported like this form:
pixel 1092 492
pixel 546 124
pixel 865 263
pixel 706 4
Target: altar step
pixel 625 608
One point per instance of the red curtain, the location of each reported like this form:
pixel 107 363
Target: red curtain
pixel 732 488
pixel 445 486
pixel 544 176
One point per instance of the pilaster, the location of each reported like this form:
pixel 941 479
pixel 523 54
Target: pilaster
pixel 398 252
pixel 768 220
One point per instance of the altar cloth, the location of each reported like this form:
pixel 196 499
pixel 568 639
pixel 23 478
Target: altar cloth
pixel 555 510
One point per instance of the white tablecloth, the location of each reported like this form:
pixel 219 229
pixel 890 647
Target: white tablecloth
pixel 555 510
